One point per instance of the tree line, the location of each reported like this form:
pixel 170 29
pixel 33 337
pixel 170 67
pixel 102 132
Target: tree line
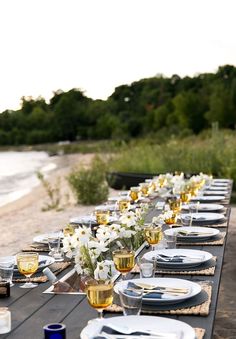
pixel 148 107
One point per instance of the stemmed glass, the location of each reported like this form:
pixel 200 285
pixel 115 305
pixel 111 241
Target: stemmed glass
pixel 99 294
pixel 153 234
pixel 135 193
pixel 27 264
pixel 124 261
pixel 102 215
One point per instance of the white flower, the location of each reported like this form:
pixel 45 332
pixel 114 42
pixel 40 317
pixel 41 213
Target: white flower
pixel 128 219
pixel 158 220
pixel 78 268
pixel 97 247
pixel 101 271
pixel 106 233
pixel 126 233
pixel 84 234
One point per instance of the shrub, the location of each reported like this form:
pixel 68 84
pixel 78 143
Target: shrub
pixel 89 184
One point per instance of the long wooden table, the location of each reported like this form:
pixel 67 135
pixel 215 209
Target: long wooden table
pixel 31 309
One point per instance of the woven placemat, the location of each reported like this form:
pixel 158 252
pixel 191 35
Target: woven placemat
pixel 219 241
pixel 56 268
pixel 209 271
pixel 36 248
pixel 200 332
pixel 202 309
pixel 218 225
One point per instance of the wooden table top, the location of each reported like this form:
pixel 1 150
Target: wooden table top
pixel 31 309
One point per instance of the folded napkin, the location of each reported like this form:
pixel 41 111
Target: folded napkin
pixel 176 258
pixel 131 287
pixel 191 234
pixel 110 330
pixel 129 332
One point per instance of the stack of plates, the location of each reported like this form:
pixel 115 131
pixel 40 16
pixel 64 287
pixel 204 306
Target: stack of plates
pixel 134 323
pixel 205 207
pixel 206 198
pixel 89 220
pixel 192 289
pixel 214 192
pixel 203 218
pixel 193 233
pixel 43 238
pixel 178 258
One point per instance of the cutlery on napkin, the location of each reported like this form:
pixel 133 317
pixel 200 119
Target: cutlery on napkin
pixel 177 258
pixel 193 233
pixel 115 331
pixel 155 291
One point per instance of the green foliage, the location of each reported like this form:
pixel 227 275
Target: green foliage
pixel 175 106
pixel 53 193
pixel 215 155
pixel 89 184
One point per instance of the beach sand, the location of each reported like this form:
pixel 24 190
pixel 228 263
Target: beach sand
pixel 23 219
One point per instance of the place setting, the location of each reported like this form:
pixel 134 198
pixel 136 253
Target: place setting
pixel 177 260
pixel 203 207
pixel 201 219
pixel 161 296
pixel 196 236
pixel 209 198
pixel 135 326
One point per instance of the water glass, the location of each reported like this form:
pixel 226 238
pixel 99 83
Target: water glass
pixel 131 301
pixel 7 268
pixel 186 219
pixel 170 240
pixel 54 243
pixel 55 331
pixel 147 269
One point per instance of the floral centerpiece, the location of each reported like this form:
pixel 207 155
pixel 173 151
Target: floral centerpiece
pixel 93 253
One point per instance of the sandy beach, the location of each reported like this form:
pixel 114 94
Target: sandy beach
pixel 23 219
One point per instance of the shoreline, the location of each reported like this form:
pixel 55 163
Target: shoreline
pixel 22 219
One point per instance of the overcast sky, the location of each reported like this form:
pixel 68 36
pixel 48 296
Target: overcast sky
pixel 96 45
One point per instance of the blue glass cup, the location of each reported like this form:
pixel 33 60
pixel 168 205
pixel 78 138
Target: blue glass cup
pixel 55 331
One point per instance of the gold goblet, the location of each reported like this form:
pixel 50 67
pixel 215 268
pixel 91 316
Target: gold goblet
pixel 27 264
pixel 153 235
pixel 99 294
pixel 124 261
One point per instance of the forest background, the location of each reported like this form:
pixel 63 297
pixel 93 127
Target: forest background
pixel 154 108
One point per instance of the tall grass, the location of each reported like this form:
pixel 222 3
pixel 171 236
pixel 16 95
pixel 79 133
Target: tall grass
pixel 214 155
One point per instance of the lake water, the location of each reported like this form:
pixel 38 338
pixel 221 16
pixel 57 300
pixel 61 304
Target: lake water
pixel 18 173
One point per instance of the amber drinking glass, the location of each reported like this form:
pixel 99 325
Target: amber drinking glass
pixel 153 235
pixel 124 260
pixel 99 294
pixel 27 264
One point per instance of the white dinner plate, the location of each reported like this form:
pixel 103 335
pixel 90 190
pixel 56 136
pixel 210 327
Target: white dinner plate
pixel 192 287
pixel 219 188
pixel 203 217
pixel 213 192
pixel 205 207
pixel 208 198
pixel 43 238
pixel 221 181
pixel 198 257
pixel 204 232
pixel 87 220
pixel 141 323
pixel 220 185
pixel 44 261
